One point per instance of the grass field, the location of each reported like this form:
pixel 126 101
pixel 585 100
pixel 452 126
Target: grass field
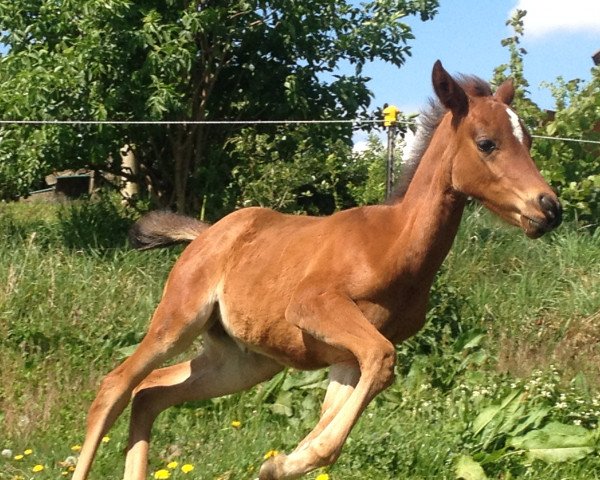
pixel 502 383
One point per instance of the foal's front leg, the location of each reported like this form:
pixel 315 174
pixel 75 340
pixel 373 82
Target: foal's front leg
pixel 343 378
pixel 336 320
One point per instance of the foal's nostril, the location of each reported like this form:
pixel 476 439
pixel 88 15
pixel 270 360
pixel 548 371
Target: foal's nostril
pixel 558 213
pixel 551 208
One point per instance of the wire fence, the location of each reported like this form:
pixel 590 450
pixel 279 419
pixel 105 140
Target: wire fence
pixel 194 122
pixel 354 121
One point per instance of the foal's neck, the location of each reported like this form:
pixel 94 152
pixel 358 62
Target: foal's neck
pixel 430 212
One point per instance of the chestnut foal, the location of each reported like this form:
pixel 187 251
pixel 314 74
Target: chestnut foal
pixel 267 290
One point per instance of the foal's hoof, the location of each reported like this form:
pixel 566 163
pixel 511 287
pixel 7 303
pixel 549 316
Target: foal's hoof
pixel 272 469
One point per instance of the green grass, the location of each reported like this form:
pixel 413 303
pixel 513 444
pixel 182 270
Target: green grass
pixel 512 320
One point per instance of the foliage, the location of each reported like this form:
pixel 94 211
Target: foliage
pixel 514 69
pixel 301 170
pixel 574 167
pixel 372 161
pixel 571 167
pixel 296 169
pixel 179 60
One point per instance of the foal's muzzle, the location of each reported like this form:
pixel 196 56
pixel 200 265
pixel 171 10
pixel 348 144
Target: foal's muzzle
pixel 552 209
pixel 548 216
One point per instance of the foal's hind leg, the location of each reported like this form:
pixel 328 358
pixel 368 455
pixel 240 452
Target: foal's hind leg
pixel 173 328
pixel 222 368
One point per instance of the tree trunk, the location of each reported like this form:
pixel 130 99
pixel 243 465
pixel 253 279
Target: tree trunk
pixel 180 174
pixel 129 166
pixel 183 153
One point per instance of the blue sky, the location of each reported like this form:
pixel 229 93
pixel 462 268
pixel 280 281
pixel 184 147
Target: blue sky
pixel 560 38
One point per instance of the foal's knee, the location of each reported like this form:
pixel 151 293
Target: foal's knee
pixel 110 390
pixel 380 366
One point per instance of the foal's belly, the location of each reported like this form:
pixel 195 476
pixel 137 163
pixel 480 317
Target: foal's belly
pixel 260 325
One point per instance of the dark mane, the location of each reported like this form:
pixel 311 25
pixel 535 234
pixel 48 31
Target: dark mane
pixel 474 86
pixel 427 121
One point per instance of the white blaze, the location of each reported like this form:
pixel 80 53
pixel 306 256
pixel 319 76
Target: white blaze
pixel 516 125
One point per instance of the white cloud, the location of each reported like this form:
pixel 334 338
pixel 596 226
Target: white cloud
pixel 546 17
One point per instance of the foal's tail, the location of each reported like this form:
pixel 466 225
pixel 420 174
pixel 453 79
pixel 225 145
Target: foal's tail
pixel 162 229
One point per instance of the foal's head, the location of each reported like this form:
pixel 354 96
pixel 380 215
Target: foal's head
pixel 491 160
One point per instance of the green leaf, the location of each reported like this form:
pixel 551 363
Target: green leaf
pixel 533 420
pixel 556 442
pixel 485 417
pixel 488 414
pixel 474 342
pixel 283 404
pixel 468 469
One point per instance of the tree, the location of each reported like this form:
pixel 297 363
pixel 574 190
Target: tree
pixel 184 61
pixel 572 167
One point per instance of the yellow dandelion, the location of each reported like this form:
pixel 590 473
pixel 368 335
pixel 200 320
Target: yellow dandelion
pixel 270 453
pixel 37 468
pixel 322 476
pixel 76 448
pixel 29 451
pixel 105 439
pixel 19 457
pixel 187 468
pixel 236 424
pixel 162 473
pixel 172 465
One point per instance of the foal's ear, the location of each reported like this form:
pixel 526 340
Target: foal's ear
pixel 506 92
pixel 450 93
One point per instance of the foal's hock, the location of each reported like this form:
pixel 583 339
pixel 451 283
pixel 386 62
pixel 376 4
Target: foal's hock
pixel 267 290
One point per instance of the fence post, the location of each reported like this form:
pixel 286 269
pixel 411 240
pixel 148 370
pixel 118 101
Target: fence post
pixel 390 121
pixel 391 144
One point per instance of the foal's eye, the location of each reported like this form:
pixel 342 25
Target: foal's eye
pixel 486 146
